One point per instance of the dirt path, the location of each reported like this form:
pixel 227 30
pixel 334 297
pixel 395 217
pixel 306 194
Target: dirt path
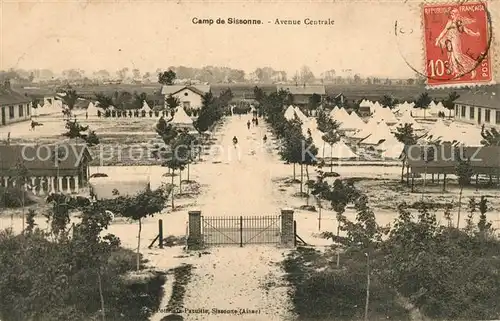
pixel 234 278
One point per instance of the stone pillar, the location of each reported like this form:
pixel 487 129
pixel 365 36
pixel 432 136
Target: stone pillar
pixel 76 183
pixel 6 182
pixel 13 183
pixel 68 185
pixel 194 240
pixel 51 186
pixel 287 232
pixel 42 186
pixel 59 184
pixel 33 185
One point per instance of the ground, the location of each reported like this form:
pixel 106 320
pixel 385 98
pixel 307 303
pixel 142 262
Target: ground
pixel 248 180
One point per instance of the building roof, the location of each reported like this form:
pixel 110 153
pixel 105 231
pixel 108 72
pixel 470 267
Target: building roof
pixel 303 90
pixel 42 157
pixel 483 159
pixel 480 99
pixel 11 97
pixel 173 89
pixel 36 92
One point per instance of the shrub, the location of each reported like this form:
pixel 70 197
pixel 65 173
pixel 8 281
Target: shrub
pixel 11 197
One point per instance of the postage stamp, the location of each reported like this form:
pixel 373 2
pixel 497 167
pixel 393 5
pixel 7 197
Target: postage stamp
pixel 457 44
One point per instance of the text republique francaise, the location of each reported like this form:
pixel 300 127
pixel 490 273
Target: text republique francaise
pixel 277 21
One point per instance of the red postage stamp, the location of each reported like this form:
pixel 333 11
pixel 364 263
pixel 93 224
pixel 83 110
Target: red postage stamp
pixel 457 44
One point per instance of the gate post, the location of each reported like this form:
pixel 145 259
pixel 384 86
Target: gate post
pixel 287 230
pixel 194 240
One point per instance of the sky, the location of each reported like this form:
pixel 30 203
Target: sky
pixel 148 35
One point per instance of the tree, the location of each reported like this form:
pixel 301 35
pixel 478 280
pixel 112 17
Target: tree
pixel 104 101
pixel 291 151
pixel 491 137
pixel 145 204
pixel 330 129
pixel 423 101
pixel 166 77
pixel 308 157
pixel 210 112
pixel 22 175
pixel 464 172
pixel 449 101
pixel 320 189
pixel 172 102
pixel 178 160
pixel 388 101
pixel 314 101
pixel 69 99
pixel 136 73
pixel 342 193
pixel 406 135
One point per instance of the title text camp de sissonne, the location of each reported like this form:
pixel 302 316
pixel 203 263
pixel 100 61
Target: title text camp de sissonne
pixel 237 21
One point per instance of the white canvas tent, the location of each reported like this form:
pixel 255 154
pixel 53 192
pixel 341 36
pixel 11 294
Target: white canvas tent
pixel 391 148
pixel 145 107
pixel 290 113
pixel 365 103
pixel 300 114
pixel 408 119
pixel 367 130
pixel 339 150
pixel 438 130
pixel 467 135
pixel 388 116
pixel 334 111
pixel 92 109
pixel 181 118
pixel 380 132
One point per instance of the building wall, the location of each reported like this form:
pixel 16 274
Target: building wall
pixel 188 97
pixel 15 113
pixel 470 114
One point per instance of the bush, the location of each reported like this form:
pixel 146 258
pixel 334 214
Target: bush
pixel 11 197
pixel 43 280
pixel 324 293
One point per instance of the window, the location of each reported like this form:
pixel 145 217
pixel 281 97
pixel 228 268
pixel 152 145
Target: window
pixel 463 112
pixel 28 107
pixel 471 112
pixel 456 110
pixel 186 104
pixel 21 110
pixel 487 115
pixel 11 112
pixel 185 94
pixel 497 117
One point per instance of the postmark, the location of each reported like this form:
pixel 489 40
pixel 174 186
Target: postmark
pixel 457 44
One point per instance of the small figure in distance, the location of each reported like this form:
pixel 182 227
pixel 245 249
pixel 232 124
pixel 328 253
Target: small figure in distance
pixel 235 141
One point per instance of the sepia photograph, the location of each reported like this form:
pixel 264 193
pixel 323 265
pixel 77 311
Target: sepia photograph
pixel 259 161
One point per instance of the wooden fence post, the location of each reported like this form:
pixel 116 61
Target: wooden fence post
pixel 160 233
pixel 241 231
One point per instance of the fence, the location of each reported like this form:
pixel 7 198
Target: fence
pixel 240 230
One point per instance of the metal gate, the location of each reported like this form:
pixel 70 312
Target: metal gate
pixel 240 230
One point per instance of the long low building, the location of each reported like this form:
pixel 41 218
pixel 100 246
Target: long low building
pixel 14 107
pixel 46 170
pixel 478 108
pixel 443 160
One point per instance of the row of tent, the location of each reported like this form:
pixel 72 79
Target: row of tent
pixel 180 118
pixel 377 133
pixel 433 109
